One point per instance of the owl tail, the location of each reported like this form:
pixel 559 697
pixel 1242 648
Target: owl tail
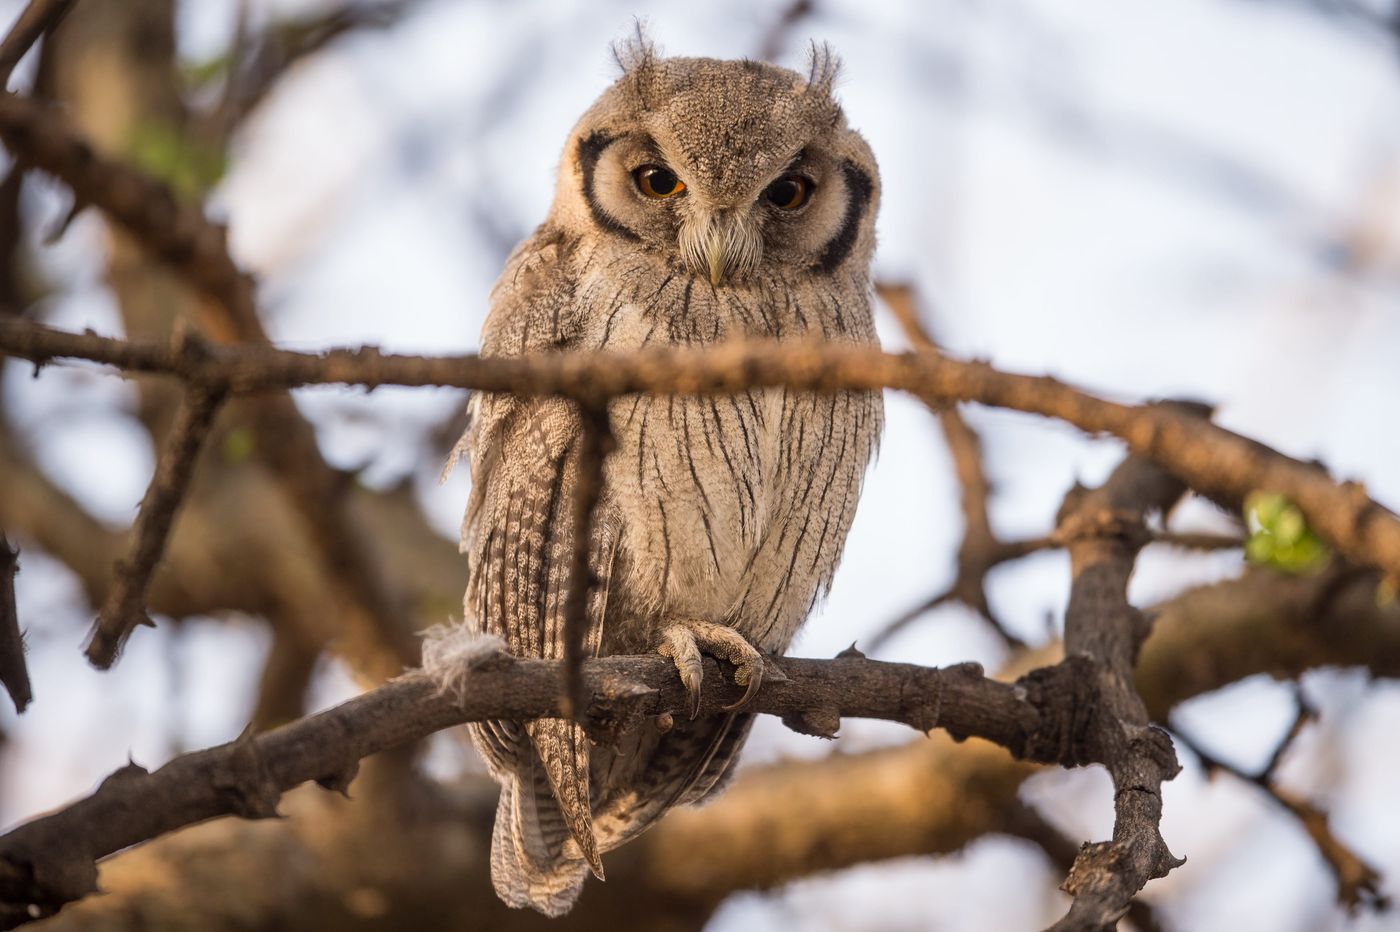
pixel 543 823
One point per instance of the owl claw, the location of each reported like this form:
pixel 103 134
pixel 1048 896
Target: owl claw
pixel 683 642
pixel 678 643
pixel 749 673
pixel 691 678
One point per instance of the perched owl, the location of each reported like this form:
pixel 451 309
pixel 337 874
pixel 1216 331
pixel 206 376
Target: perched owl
pixel 698 201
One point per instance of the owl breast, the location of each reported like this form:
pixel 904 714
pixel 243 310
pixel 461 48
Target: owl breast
pixel 729 508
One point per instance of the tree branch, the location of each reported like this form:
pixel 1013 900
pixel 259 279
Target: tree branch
pixel 40 136
pixel 1266 622
pixel 417 855
pixel 1198 540
pixel 778 34
pixel 595 443
pixel 1105 530
pixel 125 607
pixel 36 19
pixel 1261 623
pixel 252 76
pixel 52 860
pixel 1358 883
pixel 980 550
pixel 1210 459
pixel 13 674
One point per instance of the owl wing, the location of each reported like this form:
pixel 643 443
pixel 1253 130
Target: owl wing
pixel 520 538
pixel 518 535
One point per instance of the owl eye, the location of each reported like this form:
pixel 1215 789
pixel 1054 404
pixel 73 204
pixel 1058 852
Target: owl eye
pixel 790 192
pixel 657 182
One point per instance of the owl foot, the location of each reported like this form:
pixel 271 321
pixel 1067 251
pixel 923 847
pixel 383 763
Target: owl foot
pixel 683 642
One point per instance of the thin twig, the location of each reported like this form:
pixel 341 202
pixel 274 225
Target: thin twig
pixel 908 617
pixel 1304 714
pixel 980 549
pixel 778 34
pixel 14 675
pixel 256 66
pixel 1003 552
pixel 126 602
pixel 1358 883
pixel 1197 540
pixel 225 114
pixel 596 441
pixel 38 18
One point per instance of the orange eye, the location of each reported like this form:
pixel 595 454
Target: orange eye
pixel 790 192
pixel 657 182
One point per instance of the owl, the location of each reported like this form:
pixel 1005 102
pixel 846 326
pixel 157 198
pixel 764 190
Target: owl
pixel 697 201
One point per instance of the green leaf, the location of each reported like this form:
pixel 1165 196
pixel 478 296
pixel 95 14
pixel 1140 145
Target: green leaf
pixel 186 164
pixel 238 445
pixel 1279 535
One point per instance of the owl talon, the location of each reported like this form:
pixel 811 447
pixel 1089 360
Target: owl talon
pixel 749 673
pixel 683 642
pixel 692 689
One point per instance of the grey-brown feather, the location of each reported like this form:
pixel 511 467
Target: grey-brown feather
pixel 724 509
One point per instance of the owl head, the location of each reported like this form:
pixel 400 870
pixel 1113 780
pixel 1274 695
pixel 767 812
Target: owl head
pixel 722 169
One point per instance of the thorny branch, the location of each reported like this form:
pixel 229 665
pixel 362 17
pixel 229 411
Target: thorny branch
pixel 776 823
pixel 14 675
pixel 1210 459
pixel 126 603
pixel 52 860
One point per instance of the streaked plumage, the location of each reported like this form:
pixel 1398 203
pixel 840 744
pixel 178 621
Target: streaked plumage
pixel 722 519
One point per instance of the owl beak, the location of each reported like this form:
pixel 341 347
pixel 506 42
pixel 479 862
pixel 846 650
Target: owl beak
pixel 721 244
pixel 717 255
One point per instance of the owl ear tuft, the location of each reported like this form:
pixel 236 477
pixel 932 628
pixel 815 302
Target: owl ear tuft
pixel 637 53
pixel 823 68
pixel 637 56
